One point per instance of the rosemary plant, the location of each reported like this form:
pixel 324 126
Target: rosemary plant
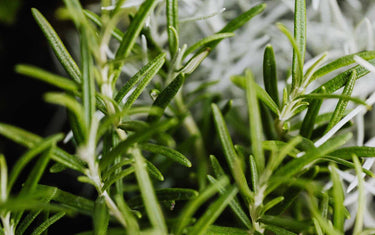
pixel 285 169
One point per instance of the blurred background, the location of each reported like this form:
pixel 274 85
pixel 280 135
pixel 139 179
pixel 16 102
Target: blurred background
pixel 21 41
pixel 337 26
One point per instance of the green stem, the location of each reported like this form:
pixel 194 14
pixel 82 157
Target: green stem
pixel 199 148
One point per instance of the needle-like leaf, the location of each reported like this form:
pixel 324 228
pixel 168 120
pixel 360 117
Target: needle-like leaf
pixel 101 216
pixel 166 96
pixel 194 204
pixel 149 70
pixel 338 199
pixel 152 207
pixel 230 153
pixel 300 39
pixel 341 62
pixel 255 123
pixel 167 152
pixel 341 105
pixel 213 211
pixel 234 205
pixel 123 146
pixel 41 228
pixel 167 194
pixel 203 42
pixel 58 47
pixel 172 21
pixel 296 165
pixel 270 74
pixel 131 35
pixel 47 77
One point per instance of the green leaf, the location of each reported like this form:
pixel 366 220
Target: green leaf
pixel 338 199
pixel 238 22
pixel 321 120
pixel 115 168
pixel 342 62
pixel 3 178
pixel 348 164
pixel 358 226
pixel 275 145
pixel 166 96
pixel 300 39
pixel 194 204
pixel 131 35
pixel 29 202
pixel 240 81
pixel 133 125
pixel 278 230
pixel 360 151
pixel 57 168
pixel 76 203
pixel 310 117
pixel 167 152
pixel 254 173
pixel 58 47
pixel 76 14
pixel 154 171
pixel 283 152
pixel 218 170
pixel 70 103
pixel 219 230
pixel 255 123
pixel 213 211
pixel 146 72
pixel 194 62
pixel 101 217
pixel 284 222
pixel 152 206
pixel 41 228
pixel 37 171
pixel 88 82
pixel 341 79
pixel 167 194
pixel 270 74
pixel 342 103
pixel 229 152
pixel 29 155
pixel 320 222
pixel 68 160
pixel 271 204
pixel 203 42
pixel 29 140
pixel 27 220
pixel 172 21
pixel 311 70
pixel 296 165
pixel 111 231
pixel 155 66
pixel 116 177
pixel 297 69
pixel 45 76
pixel 334 96
pixel 131 221
pixel 234 205
pixel 19 136
pixel 116 33
pixel 138 137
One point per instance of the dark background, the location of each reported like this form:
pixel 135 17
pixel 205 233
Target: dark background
pixel 21 98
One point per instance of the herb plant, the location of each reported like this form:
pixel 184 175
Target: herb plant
pixel 279 177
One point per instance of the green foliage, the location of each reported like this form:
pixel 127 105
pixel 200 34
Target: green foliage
pixel 270 173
